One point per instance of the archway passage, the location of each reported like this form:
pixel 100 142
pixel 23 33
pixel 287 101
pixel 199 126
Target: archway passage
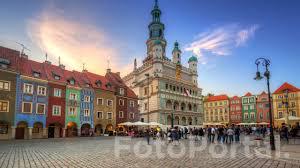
pixel 54 130
pixel 183 121
pixel 190 120
pixel 169 120
pixel 21 130
pixel 72 129
pixel 37 130
pixel 99 130
pixel 177 120
pixel 109 130
pixel 85 129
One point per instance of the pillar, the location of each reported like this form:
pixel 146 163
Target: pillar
pixel 79 131
pixel 45 132
pixel 64 132
pixel 13 132
pixel 29 132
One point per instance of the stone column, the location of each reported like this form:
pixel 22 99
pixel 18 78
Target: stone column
pixel 13 132
pixel 64 132
pixel 29 132
pixel 79 131
pixel 45 132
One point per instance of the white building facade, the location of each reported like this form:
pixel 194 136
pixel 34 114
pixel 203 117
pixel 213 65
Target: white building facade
pixel 167 91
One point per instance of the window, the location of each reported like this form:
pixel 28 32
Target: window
pixel 146 106
pixel 246 107
pixel 131 103
pixel 220 103
pixel 109 115
pixel 252 116
pixel 121 114
pixel 72 82
pixel 122 92
pixel 109 102
pixel 131 115
pixel 293 113
pixel 36 74
pixel 86 112
pixel 28 88
pixel 56 110
pixel 121 102
pixel 261 115
pixel 4 85
pixel 280 115
pixel 87 98
pixel 42 91
pixel 72 111
pixel 73 96
pixel 100 115
pixel 4 106
pixel 167 86
pixel 246 116
pixel 56 77
pixel 146 90
pixel 40 108
pixel 293 104
pixel 57 92
pixel 99 101
pixel 27 107
pixel 251 107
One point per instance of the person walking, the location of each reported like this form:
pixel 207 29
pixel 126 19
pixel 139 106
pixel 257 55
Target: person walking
pixel 213 132
pixel 201 133
pixel 209 134
pixel 237 132
pixel 230 133
pixel 147 134
pixel 285 132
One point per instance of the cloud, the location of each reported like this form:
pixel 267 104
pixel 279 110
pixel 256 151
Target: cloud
pixel 76 42
pixel 220 41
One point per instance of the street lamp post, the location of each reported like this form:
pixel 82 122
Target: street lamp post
pixel 266 63
pixel 148 108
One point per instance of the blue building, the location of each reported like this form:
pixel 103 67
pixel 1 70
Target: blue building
pixel 31 101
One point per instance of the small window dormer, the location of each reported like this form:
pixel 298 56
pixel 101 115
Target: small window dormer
pixel 108 85
pixel 87 85
pixel 71 81
pixel 36 74
pixel 98 83
pixel 55 76
pixel 4 63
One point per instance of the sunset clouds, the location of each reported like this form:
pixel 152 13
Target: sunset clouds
pixel 76 42
pixel 221 41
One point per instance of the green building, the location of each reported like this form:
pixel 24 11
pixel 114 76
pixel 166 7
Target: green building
pixel 249 108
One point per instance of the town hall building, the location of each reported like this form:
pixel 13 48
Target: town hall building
pixel 167 91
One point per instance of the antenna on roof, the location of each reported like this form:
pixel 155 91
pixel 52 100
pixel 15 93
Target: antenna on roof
pixel 83 67
pixel 108 70
pixel 46 57
pixel 23 48
pixel 58 60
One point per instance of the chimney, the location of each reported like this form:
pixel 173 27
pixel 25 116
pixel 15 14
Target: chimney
pixel 108 70
pixel 118 73
pixel 24 56
pixel 48 62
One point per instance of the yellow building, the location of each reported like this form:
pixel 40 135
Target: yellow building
pixel 286 105
pixel 216 110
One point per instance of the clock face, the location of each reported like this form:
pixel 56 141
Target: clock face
pixel 157 51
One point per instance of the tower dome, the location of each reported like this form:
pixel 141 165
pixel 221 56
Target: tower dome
pixel 193 59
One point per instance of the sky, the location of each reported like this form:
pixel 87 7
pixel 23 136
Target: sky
pixel 227 36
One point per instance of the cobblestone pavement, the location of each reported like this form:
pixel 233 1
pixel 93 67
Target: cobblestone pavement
pixel 103 152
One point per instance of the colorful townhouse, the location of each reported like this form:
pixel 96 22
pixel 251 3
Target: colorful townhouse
pixel 235 113
pixel 31 101
pixel 73 102
pixel 216 110
pixel 286 104
pixel 262 108
pixel 249 108
pixel 104 104
pixel 8 80
pixel 126 100
pixel 87 97
pixel 55 121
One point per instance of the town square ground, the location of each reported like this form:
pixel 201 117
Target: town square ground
pixel 134 152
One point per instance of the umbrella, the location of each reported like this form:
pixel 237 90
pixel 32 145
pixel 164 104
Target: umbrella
pixel 293 118
pixel 263 123
pixel 155 124
pixel 252 123
pixel 139 123
pixel 126 123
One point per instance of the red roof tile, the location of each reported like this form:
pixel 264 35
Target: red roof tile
pixel 11 55
pixel 248 94
pixel 217 98
pixel 29 67
pixel 235 98
pixel 286 86
pixel 94 78
pixel 52 70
